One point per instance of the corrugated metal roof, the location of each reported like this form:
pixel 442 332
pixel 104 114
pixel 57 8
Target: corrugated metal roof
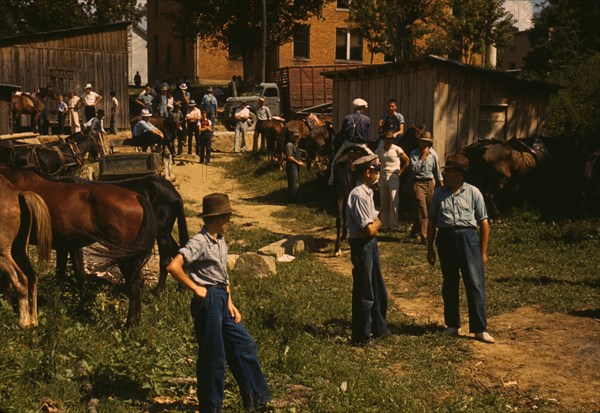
pixel 431 59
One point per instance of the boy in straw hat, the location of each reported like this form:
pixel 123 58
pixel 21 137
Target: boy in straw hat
pixel 369 295
pixel 456 210
pixel 425 172
pixel 201 266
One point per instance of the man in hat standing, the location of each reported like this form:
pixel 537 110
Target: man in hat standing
pixel 210 106
pixel 201 266
pixel 355 130
pixel 425 172
pixel 73 105
pixel 146 134
pixel 391 121
pixel 263 114
pixel 90 100
pixel 369 294
pixel 241 127
pixel 191 119
pixel 292 165
pixel 164 101
pixel 456 210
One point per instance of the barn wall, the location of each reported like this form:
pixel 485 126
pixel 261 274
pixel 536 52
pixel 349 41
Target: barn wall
pixel 412 89
pixel 68 63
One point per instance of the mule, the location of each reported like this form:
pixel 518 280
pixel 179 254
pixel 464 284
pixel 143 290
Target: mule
pixel 121 221
pixel 343 182
pixel 21 214
pixel 54 158
pixel 167 207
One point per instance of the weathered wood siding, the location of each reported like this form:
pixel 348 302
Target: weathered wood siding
pixel 68 60
pixel 458 103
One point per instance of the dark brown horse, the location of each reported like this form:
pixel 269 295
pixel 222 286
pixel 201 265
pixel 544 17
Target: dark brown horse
pixel 166 126
pixel 29 105
pixel 343 182
pixel 167 207
pixel 20 214
pixel 272 129
pixel 121 221
pixel 506 171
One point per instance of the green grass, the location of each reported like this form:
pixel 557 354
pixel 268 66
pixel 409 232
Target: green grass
pixel 300 319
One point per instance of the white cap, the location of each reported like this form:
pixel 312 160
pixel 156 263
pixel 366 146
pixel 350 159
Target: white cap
pixel 358 103
pixel 146 112
pixel 88 86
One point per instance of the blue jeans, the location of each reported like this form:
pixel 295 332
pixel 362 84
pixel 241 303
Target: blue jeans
pixel 369 295
pixel 459 249
pixel 240 130
pixel 292 172
pixel 205 146
pixel 222 341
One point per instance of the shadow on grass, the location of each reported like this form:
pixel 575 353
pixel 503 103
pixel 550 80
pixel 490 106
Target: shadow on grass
pixel 117 381
pixel 336 327
pixel 544 280
pixel 589 313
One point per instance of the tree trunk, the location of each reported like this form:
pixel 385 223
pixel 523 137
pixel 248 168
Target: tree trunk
pixel 252 65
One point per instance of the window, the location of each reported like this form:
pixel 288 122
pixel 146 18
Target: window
pixel 302 42
pixel 342 4
pixel 348 46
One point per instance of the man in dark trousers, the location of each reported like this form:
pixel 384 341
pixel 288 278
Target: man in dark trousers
pixel 455 211
pixel 369 294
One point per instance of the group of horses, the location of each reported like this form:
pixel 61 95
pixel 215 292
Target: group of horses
pixel 31 105
pixel 119 223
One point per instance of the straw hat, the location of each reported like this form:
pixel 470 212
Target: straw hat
pixel 215 204
pixel 192 103
pixel 426 137
pixel 183 86
pixel 359 103
pixel 88 86
pixel 457 161
pixel 145 113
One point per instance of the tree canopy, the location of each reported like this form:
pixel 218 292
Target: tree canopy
pixel 30 16
pixel 239 24
pixel 564 34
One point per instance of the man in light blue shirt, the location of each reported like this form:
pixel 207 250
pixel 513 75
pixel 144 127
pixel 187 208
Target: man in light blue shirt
pixel 456 210
pixel 425 171
pixel 369 295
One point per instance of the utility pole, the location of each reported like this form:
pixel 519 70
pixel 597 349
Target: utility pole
pixel 264 43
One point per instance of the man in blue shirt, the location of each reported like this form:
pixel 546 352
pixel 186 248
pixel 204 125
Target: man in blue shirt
pixel 369 294
pixel 425 172
pixel 456 210
pixel 146 134
pixel 210 105
pixel 391 121
pixel 355 130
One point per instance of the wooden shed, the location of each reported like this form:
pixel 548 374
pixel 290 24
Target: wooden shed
pixel 458 103
pixel 68 59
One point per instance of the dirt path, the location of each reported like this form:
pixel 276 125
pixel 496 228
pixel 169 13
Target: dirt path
pixel 553 357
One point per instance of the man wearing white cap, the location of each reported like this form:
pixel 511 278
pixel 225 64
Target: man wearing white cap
pixel 146 98
pixel 144 133
pixel 90 100
pixel 355 130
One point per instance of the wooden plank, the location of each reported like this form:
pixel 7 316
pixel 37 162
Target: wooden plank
pixel 464 112
pixel 440 114
pixel 452 109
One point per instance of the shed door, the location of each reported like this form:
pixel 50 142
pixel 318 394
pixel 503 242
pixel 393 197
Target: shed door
pixel 492 121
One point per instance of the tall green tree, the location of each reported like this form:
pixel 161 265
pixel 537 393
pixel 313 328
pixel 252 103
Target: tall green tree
pixel 239 24
pixel 30 16
pixel 476 24
pixel 394 26
pixel 564 33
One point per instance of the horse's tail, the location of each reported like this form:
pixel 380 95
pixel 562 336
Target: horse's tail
pixel 182 224
pixel 39 212
pixel 147 235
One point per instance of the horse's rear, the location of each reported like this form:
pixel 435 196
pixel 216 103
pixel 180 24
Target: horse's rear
pixel 20 214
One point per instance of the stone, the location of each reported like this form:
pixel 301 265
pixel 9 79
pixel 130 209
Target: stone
pixel 231 260
pixel 292 246
pixel 256 264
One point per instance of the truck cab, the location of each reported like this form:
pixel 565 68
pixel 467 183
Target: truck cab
pixel 270 92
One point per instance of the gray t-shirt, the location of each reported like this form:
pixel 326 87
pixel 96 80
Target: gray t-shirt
pixel 465 208
pixel 206 259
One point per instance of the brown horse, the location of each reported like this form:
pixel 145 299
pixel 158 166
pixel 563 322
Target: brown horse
pixel 120 220
pixel 506 170
pixel 18 213
pixel 30 105
pixel 272 129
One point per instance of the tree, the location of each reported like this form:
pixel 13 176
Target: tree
pixel 564 34
pixel 30 16
pixel 394 26
pixel 239 24
pixel 477 24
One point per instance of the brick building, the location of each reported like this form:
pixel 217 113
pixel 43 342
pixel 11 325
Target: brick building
pixel 323 41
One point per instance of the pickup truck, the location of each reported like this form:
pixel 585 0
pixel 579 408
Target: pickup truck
pixel 293 91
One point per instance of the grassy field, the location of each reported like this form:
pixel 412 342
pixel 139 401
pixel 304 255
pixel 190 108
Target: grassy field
pixel 300 319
